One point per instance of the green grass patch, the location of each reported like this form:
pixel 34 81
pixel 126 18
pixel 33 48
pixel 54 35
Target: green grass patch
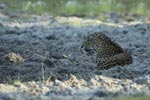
pixel 80 7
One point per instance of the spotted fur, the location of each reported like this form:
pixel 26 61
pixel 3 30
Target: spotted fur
pixel 108 53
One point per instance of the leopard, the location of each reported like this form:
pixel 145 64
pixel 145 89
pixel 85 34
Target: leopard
pixel 108 52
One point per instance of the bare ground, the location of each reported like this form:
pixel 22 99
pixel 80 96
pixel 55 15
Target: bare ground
pixel 41 57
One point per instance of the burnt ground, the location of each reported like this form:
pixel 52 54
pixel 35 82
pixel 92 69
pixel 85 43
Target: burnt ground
pixel 35 48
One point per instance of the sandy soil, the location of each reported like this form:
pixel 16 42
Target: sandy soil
pixel 41 57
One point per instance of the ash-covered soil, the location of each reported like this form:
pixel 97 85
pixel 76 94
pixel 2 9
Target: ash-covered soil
pixel 41 58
